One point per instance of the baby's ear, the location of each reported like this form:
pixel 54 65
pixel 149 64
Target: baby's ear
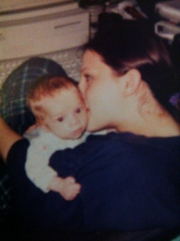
pixel 133 80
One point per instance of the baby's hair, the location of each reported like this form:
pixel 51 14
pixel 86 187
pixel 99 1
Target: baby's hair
pixel 46 85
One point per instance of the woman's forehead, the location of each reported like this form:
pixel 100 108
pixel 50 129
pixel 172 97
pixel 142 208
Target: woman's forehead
pixel 91 59
pixel 93 62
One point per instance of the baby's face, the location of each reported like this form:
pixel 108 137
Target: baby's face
pixel 67 117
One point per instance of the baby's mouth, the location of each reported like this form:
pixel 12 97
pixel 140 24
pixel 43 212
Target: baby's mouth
pixel 77 133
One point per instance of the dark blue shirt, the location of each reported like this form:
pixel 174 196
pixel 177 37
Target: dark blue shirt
pixel 129 183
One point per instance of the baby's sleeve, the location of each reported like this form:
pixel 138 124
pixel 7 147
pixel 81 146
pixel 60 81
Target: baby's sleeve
pixel 37 165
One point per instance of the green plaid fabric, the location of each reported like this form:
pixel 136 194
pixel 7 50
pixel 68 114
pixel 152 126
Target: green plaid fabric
pixel 5 193
pixel 13 93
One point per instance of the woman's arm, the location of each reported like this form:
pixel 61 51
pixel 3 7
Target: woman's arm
pixel 7 138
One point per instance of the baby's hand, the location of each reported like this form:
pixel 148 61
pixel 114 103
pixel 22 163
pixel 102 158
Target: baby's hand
pixel 69 189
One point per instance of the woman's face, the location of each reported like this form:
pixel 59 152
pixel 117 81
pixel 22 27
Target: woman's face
pixel 99 86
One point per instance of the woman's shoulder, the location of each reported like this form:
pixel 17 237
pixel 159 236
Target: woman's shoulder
pixel 131 140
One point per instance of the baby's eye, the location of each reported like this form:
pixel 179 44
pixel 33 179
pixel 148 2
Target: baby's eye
pixel 78 110
pixel 60 119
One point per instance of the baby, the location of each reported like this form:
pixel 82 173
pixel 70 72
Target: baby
pixel 61 117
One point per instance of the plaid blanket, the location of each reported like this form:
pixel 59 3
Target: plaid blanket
pixel 13 93
pixel 5 193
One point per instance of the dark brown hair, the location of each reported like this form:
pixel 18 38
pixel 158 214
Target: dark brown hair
pixel 132 44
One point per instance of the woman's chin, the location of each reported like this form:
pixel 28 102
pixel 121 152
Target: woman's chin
pixel 92 128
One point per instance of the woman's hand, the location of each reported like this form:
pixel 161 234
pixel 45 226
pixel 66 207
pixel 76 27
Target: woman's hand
pixel 7 138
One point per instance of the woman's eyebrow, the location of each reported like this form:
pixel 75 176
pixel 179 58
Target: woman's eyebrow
pixel 84 68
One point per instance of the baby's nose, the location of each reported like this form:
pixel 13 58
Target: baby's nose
pixel 74 121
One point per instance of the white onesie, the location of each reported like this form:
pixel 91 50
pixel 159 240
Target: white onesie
pixel 42 146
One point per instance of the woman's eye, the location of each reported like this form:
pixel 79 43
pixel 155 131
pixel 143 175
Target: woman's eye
pixel 87 77
pixel 60 119
pixel 78 110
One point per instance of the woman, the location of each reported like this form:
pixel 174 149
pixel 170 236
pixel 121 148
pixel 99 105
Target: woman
pixel 130 179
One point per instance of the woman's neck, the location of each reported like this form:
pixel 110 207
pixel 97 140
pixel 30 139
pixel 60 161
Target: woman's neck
pixel 148 117
pixel 159 124
pixel 152 124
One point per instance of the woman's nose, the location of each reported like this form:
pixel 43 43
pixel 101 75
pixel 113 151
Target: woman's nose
pixel 82 87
